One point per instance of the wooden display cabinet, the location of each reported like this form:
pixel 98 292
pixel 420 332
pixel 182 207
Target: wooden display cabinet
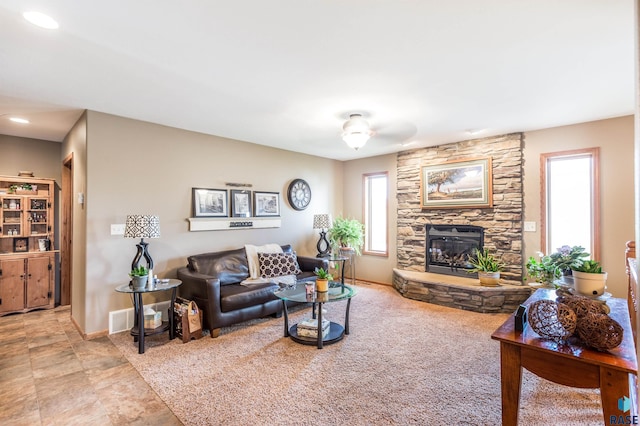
pixel 27 258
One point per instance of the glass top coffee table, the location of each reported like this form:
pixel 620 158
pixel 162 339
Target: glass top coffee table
pixel 337 292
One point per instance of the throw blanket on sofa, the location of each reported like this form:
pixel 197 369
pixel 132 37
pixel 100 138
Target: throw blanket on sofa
pixel 252 257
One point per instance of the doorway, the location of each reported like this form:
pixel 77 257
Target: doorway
pixel 66 231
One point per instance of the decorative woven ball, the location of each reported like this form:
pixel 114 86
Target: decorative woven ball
pixel 582 305
pixel 599 331
pixel 555 321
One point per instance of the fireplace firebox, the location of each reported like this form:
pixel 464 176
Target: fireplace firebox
pixel 449 247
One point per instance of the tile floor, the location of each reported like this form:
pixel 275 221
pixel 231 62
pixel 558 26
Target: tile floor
pixel 50 376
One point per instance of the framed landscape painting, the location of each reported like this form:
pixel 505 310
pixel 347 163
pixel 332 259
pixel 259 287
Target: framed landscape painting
pixel 457 184
pixel 210 202
pixel 266 203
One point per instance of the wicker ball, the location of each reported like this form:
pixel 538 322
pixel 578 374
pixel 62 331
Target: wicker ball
pixel 555 321
pixel 599 331
pixel 582 305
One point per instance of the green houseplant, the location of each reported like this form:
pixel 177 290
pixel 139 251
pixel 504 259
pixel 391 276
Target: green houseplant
pixel 139 276
pixel 346 233
pixel 588 278
pixel 487 266
pixel 567 257
pixel 543 271
pixel 322 282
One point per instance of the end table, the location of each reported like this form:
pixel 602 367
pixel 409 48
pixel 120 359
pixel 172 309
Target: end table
pixel 138 306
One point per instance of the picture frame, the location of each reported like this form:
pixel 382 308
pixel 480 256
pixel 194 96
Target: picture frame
pixel 266 203
pixel 20 245
pixel 457 184
pixel 241 203
pixel 210 202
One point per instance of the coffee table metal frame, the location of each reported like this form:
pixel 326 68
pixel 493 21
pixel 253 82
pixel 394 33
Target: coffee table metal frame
pixel 337 291
pixel 138 307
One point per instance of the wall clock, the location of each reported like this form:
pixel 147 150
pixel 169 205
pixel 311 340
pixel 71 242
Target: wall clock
pixel 299 194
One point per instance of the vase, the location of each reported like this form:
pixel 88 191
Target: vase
pixel 489 279
pixel 322 285
pixel 589 284
pixel 139 283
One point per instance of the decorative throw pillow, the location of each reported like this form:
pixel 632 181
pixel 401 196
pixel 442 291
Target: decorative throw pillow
pixel 278 264
pixel 252 256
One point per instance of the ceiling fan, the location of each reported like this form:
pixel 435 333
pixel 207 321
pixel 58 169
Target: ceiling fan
pixel 356 131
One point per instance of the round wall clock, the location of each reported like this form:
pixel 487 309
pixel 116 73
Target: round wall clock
pixel 299 194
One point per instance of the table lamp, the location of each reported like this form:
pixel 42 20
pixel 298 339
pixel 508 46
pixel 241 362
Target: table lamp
pixel 142 226
pixel 322 222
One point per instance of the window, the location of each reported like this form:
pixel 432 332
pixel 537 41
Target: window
pixel 570 200
pixel 376 221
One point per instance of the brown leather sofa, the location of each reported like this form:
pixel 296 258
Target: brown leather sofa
pixel 212 280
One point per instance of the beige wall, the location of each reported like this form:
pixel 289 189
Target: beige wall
pixel 615 138
pixel 75 144
pixel 372 268
pixel 40 157
pixel 138 167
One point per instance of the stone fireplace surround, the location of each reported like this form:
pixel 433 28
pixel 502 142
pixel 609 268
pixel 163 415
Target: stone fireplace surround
pixel 502 223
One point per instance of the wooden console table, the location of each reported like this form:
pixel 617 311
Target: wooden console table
pixel 567 364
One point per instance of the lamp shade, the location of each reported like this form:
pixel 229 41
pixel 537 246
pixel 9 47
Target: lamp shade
pixel 321 221
pixel 356 131
pixel 142 226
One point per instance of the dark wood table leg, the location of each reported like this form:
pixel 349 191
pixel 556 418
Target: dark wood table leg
pixel 286 318
pixel 319 328
pixel 346 318
pixel 172 325
pixel 140 323
pixel 614 384
pixel 511 379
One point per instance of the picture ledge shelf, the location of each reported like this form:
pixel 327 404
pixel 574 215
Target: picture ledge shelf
pixel 232 223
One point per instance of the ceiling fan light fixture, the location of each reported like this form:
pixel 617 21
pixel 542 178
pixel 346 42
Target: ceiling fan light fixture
pixel 356 131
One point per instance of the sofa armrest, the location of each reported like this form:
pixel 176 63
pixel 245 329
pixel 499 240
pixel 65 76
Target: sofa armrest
pixel 205 291
pixel 309 264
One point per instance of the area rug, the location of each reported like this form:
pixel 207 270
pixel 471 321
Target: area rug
pixel 404 362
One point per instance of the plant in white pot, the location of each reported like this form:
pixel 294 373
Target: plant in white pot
pixel 346 233
pixel 588 278
pixel 487 266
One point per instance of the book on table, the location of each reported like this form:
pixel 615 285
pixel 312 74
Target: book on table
pixel 309 328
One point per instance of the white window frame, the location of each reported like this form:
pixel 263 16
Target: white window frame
pixel 593 186
pixel 367 179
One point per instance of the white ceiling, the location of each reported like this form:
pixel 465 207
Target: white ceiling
pixel 287 73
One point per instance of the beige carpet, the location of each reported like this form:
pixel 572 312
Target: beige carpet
pixel 405 362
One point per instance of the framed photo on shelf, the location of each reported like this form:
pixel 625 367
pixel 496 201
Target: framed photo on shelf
pixel 21 245
pixel 210 202
pixel 266 203
pixel 457 184
pixel 240 203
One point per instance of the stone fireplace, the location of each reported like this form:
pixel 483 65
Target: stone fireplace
pixel 449 247
pixel 427 250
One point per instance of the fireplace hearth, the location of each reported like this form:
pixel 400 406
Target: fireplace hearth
pixel 449 247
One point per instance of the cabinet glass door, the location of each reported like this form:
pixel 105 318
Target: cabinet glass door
pixel 38 217
pixel 12 216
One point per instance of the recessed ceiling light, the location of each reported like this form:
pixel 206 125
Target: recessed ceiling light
pixel 19 120
pixel 41 20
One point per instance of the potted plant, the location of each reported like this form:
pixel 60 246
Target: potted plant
pixel 567 257
pixel 139 277
pixel 346 233
pixel 322 282
pixel 487 266
pixel 543 271
pixel 589 279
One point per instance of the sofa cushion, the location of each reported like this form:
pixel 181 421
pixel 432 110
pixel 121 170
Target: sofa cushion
pixel 278 264
pixel 236 296
pixel 229 266
pixel 252 256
